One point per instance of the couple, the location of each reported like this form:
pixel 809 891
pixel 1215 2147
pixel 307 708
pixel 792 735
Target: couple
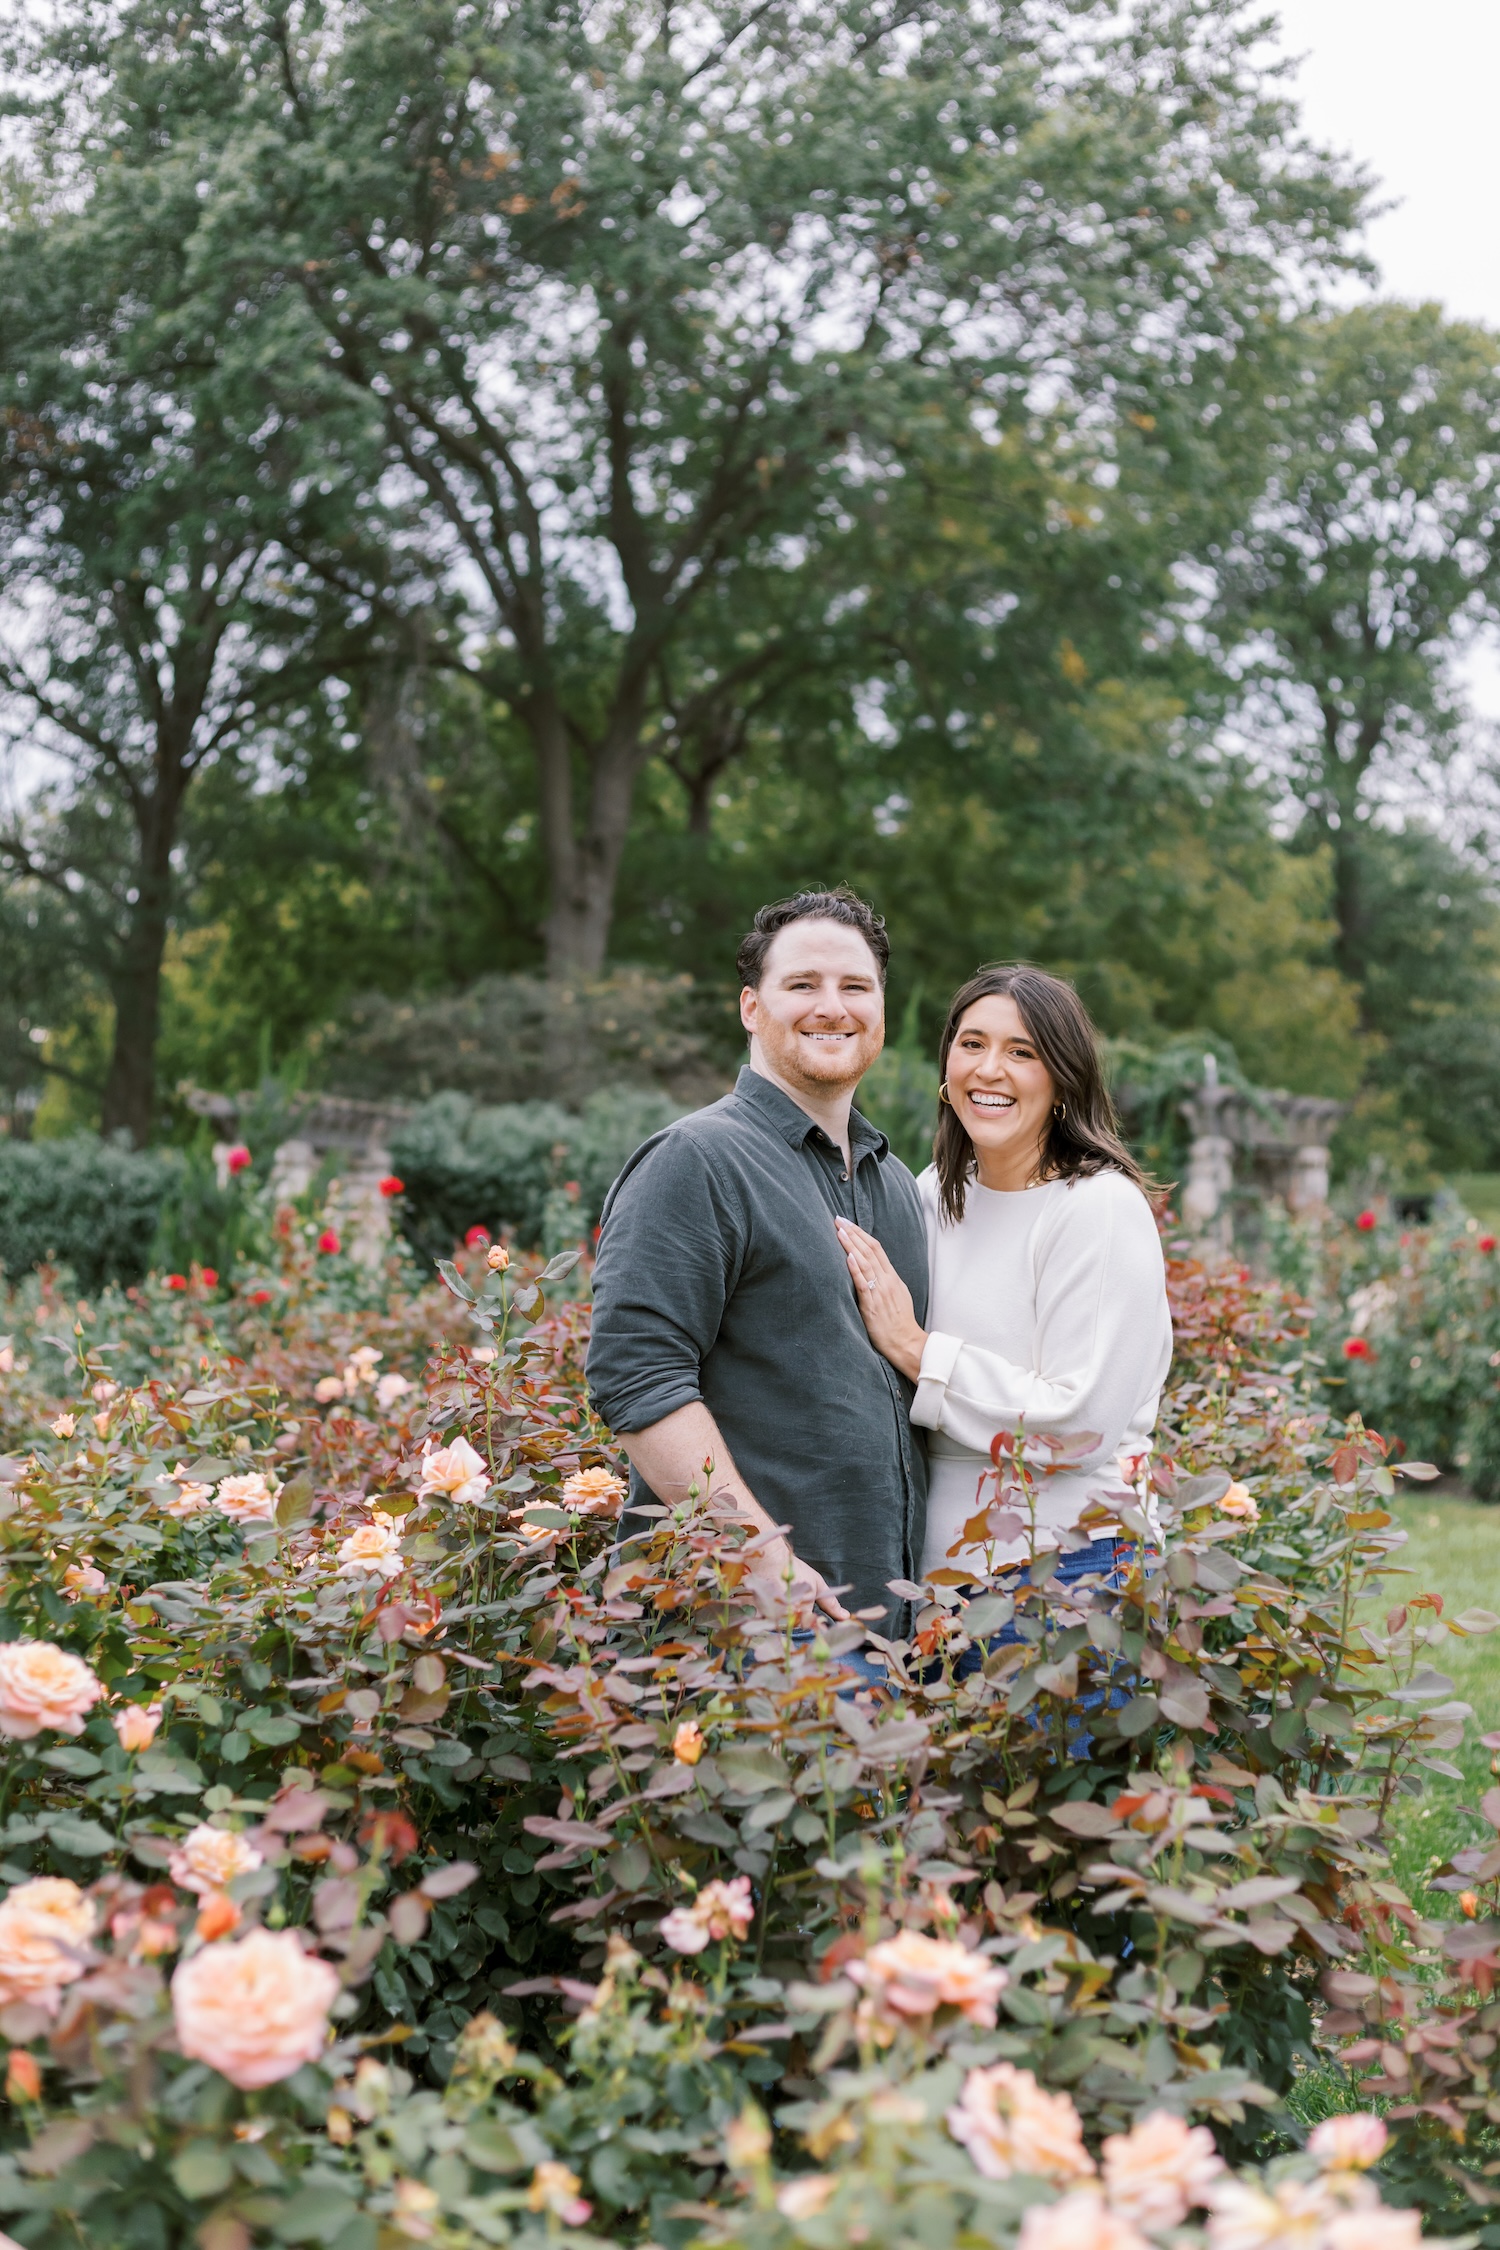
pixel 787 1320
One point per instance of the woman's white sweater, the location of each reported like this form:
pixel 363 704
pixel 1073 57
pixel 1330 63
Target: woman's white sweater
pixel 1047 1311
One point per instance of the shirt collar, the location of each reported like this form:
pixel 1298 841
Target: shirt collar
pixel 794 1125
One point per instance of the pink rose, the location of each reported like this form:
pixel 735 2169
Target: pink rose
pixel 1155 2174
pixel 41 1685
pixel 1375 2230
pixel 255 2008
pixel 720 1910
pixel 136 1725
pixel 1080 2221
pixel 1348 2144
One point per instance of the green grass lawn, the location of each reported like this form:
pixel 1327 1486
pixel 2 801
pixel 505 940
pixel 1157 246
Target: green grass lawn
pixel 1453 1549
pixel 1479 1193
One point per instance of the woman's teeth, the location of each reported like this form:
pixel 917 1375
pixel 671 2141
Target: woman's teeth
pixel 993 1101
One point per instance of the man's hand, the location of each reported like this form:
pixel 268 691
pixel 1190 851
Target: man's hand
pixel 777 1565
pixel 685 1453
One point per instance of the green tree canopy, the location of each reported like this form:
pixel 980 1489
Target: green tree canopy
pixel 650 303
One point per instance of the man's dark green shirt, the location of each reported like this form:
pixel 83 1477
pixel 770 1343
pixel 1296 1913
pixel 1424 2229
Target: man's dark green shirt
pixel 719 1277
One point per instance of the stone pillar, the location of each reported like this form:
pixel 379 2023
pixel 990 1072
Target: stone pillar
pixel 1209 1181
pixel 1307 1189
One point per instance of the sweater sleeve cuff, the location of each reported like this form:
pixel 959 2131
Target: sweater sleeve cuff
pixel 939 1357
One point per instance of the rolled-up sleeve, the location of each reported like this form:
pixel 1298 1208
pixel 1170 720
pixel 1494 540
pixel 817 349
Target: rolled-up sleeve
pixel 670 1247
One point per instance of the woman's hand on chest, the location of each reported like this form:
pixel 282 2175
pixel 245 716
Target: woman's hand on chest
pixel 885 1302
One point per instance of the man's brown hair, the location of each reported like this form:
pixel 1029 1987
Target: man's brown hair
pixel 838 905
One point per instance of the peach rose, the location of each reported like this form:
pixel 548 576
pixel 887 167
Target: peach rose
pixel 185 1498
pixel 1241 1506
pixel 1080 2221
pixel 1159 2171
pixel 254 2009
pixel 806 2196
pixel 913 1975
pixel 593 1492
pixel 136 1725
pixel 44 1927
pixel 208 1859
pixel 82 1579
pixel 1291 2216
pixel 374 1549
pixel 454 1470
pixel 327 1388
pixel 41 1685
pixel 554 2188
pixel 248 1499
pixel 1374 2230
pixel 1348 2144
pixel 390 1388
pixel 687 1743
pixel 720 1910
pixel 64 1426
pixel 1009 2124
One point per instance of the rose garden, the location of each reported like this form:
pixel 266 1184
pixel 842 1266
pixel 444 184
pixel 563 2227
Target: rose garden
pixel 392 1856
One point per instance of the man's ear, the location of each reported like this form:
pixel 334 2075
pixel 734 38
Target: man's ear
pixel 748 998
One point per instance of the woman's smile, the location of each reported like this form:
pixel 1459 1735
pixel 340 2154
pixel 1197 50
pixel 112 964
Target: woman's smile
pixel 1001 1092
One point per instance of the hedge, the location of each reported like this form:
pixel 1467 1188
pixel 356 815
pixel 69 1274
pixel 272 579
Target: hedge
pixel 465 1165
pixel 84 1203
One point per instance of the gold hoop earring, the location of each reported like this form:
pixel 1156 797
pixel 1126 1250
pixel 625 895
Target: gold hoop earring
pixel 1059 1109
pixel 943 1095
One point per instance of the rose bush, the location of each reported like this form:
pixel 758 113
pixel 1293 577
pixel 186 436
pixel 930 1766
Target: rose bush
pixel 391 1856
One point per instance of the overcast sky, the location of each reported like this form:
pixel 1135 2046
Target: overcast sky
pixel 1410 87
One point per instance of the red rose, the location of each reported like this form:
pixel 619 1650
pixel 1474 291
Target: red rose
pixel 477 1238
pixel 260 1296
pixel 239 1158
pixel 1486 1242
pixel 1365 1221
pixel 175 1281
pixel 1357 1347
pixel 390 1185
pixel 328 1243
pixel 208 1277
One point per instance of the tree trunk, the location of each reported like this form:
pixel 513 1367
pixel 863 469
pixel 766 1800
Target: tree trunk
pixel 582 871
pixel 130 1086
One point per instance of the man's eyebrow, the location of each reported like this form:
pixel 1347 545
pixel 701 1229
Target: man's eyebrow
pixel 845 976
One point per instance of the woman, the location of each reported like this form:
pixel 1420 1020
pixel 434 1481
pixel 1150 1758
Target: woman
pixel 1047 1294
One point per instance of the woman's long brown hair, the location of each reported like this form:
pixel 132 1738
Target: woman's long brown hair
pixel 1086 1138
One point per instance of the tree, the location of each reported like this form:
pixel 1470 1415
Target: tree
pixel 173 578
pixel 1370 555
pixel 651 301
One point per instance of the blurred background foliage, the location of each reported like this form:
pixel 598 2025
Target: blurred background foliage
pixel 1124 635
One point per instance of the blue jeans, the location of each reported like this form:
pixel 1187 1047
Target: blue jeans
pixel 869 1671
pixel 1108 1562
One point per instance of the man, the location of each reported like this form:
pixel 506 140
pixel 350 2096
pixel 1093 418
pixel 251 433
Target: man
pixel 726 1329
